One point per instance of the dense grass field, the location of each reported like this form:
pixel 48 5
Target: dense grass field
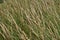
pixel 29 19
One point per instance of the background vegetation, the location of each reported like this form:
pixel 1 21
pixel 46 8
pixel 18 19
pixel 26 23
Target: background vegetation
pixel 30 20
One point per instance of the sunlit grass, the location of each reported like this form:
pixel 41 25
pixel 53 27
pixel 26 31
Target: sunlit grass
pixel 30 20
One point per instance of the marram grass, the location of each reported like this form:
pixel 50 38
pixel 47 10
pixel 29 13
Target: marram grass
pixel 30 20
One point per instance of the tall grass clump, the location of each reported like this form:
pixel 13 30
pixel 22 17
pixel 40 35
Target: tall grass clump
pixel 30 20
